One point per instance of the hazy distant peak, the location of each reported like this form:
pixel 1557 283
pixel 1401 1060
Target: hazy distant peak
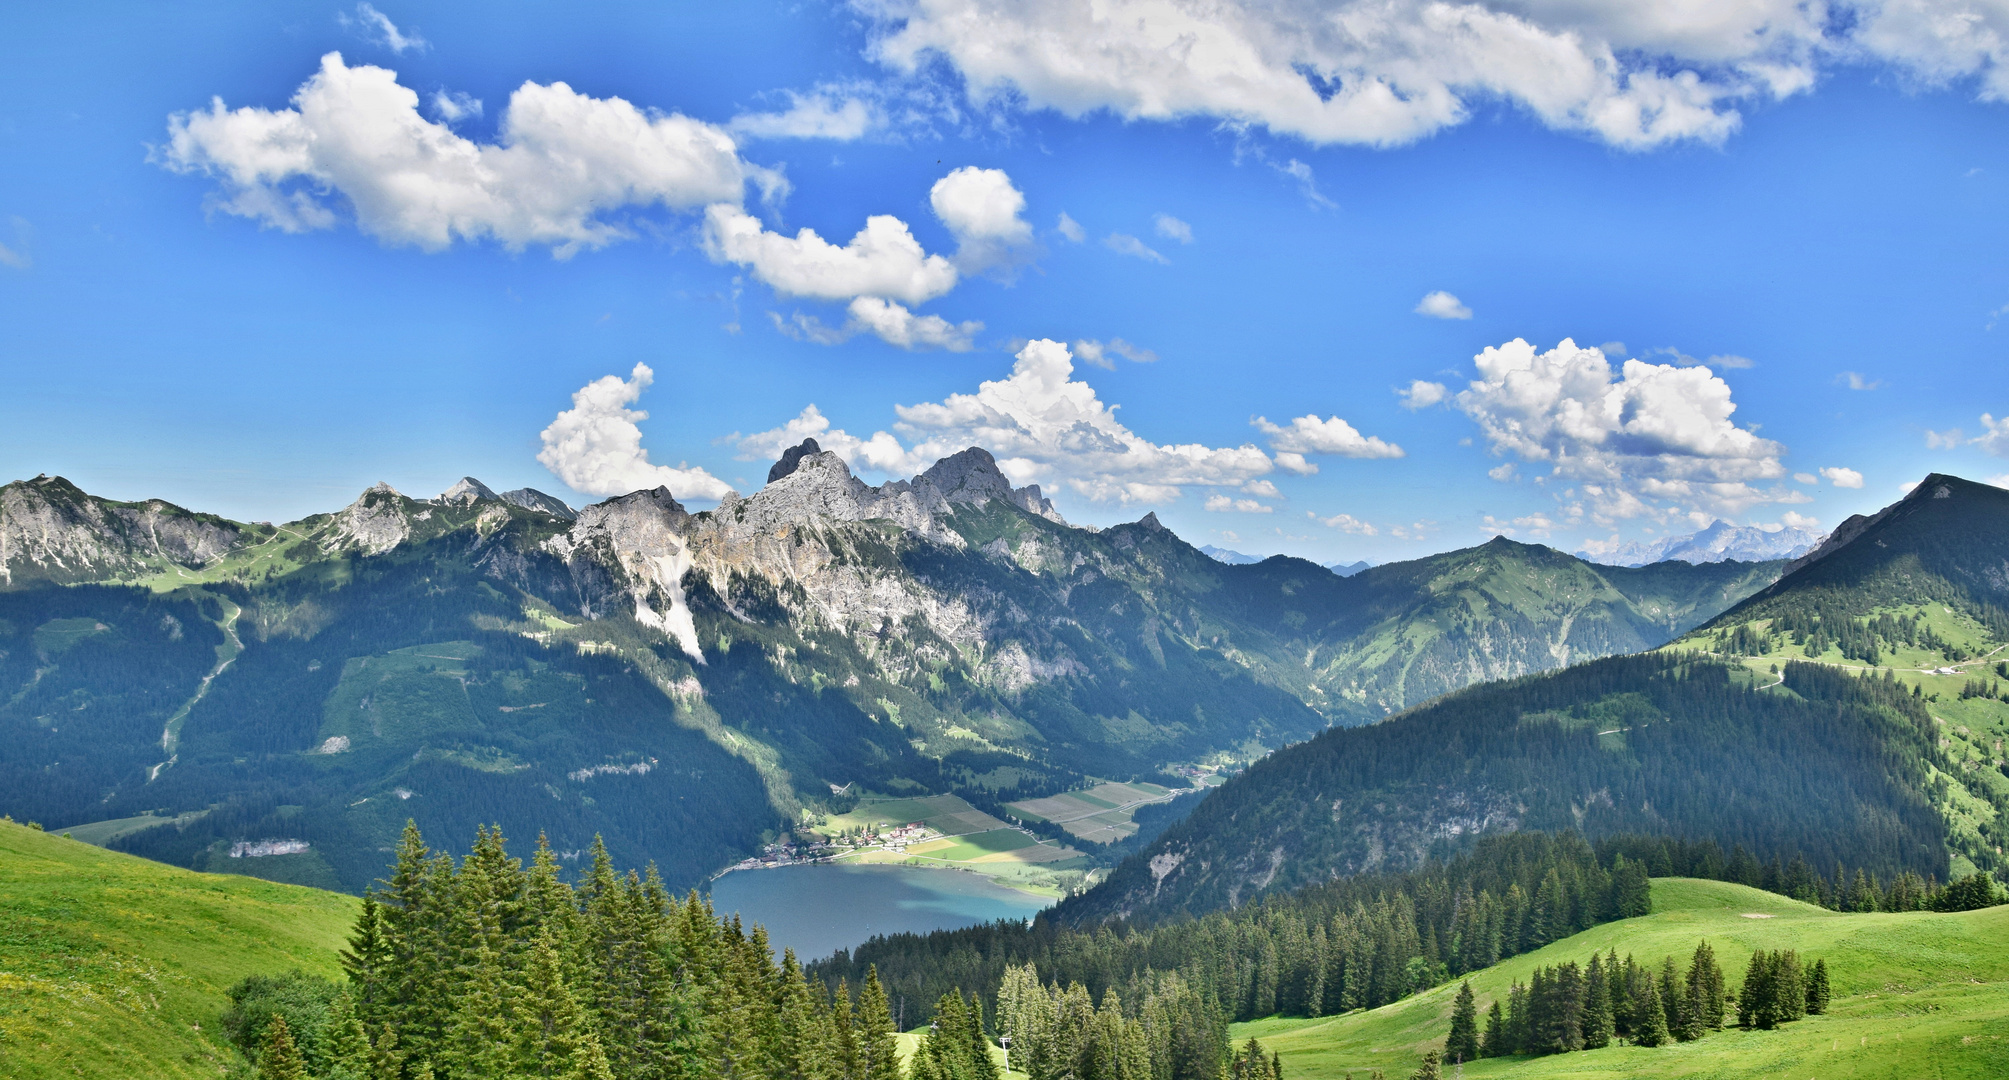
pixel 1719 542
pixel 1225 555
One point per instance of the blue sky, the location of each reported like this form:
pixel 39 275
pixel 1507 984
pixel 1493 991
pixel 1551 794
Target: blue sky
pixel 260 312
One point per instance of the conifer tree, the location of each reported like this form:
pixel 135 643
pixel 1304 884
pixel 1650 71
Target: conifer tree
pixel 877 1055
pixel 1429 1070
pixel 1817 989
pixel 1517 1040
pixel 1705 990
pixel 1755 1005
pixel 1597 1017
pixel 1632 888
pixel 1649 1019
pixel 344 1043
pixel 1495 1042
pixel 1463 1043
pixel 550 1029
pixel 479 1038
pixel 279 1059
pixel 1670 996
pixel 386 1061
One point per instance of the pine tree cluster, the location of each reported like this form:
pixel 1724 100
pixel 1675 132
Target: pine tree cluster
pixel 1357 943
pixel 1169 1031
pixel 1778 989
pixel 484 970
pixel 1567 1007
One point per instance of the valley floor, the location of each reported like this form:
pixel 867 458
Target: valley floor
pixel 1916 994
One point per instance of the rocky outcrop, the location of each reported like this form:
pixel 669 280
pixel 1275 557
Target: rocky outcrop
pixel 466 493
pixel 51 530
pixel 533 499
pixel 376 522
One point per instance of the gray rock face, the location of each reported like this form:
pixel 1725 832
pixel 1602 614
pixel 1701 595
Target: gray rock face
pixel 790 458
pixel 533 499
pixel 800 534
pixel 376 522
pixel 466 493
pixel 49 529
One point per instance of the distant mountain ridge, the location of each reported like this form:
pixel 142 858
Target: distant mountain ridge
pixel 681 682
pixel 1851 712
pixel 1720 542
pixel 1236 558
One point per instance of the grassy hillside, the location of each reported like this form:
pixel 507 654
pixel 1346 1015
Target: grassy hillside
pixel 1915 994
pixel 113 966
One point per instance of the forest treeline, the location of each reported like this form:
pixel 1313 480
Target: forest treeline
pixel 1365 941
pixel 1671 744
pixel 1567 1007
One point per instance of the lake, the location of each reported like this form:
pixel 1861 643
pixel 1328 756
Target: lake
pixel 822 907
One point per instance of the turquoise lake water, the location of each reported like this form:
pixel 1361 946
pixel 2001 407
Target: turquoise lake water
pixel 820 908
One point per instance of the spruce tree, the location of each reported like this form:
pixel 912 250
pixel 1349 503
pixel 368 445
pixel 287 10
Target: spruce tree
pixel 1495 1042
pixel 1632 887
pixel 1649 1019
pixel 279 1059
pixel 1517 1041
pixel 1429 1070
pixel 1817 989
pixel 1670 995
pixel 877 1054
pixel 1705 990
pixel 1755 1007
pixel 1463 1044
pixel 1597 1016
pixel 550 1029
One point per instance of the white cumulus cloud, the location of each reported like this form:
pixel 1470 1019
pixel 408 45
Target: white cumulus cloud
pixel 1648 439
pixel 564 161
pixel 824 113
pixel 1442 305
pixel 892 322
pixel 1070 228
pixel 883 268
pixel 1223 504
pixel 1421 394
pixel 1843 478
pixel 1044 427
pixel 1389 72
pixel 1346 523
pixel 1311 435
pixel 983 211
pixel 883 259
pixel 1994 436
pixel 595 447
pixel 1172 228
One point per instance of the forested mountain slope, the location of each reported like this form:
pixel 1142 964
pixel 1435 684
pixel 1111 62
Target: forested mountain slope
pixel 686 683
pixel 1796 751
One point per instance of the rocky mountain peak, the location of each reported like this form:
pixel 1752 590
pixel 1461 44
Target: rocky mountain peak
pixel 533 499
pixel 466 493
pixel 1150 521
pixel 790 458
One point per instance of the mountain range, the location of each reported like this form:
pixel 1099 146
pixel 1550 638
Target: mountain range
pixel 1237 558
pixel 687 684
pixel 1719 542
pixel 1851 713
